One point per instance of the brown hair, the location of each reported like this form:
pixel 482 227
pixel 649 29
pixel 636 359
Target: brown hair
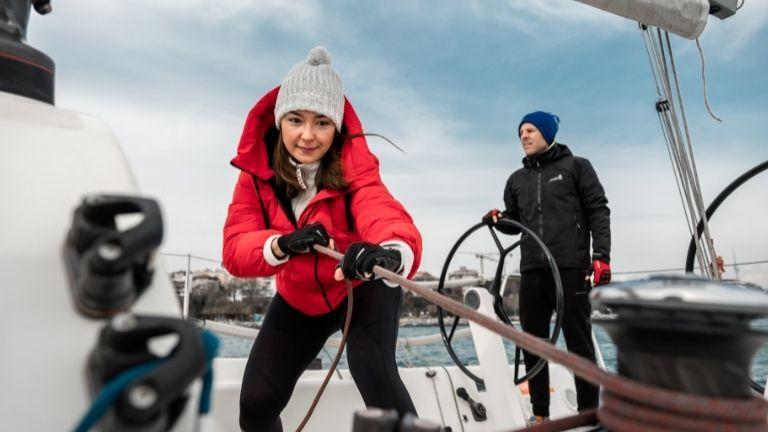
pixel 330 175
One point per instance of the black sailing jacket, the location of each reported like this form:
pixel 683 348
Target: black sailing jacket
pixel 559 197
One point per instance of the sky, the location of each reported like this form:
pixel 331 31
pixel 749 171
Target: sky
pixel 448 82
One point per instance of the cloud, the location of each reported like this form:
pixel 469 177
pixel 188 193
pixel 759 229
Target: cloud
pixel 729 38
pixel 537 16
pixel 177 91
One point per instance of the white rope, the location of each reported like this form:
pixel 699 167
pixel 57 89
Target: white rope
pixel 704 81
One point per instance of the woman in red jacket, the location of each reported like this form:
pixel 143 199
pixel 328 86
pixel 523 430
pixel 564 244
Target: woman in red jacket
pixel 307 177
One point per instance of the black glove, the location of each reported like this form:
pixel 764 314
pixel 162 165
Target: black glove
pixel 304 238
pixel 360 258
pixel 488 217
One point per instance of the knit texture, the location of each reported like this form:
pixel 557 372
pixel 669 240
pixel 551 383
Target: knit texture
pixel 312 85
pixel 545 122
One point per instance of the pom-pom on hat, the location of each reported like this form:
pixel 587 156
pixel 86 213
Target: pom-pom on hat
pixel 312 85
pixel 545 122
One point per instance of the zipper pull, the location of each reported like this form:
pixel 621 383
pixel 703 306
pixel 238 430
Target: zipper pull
pixel 300 178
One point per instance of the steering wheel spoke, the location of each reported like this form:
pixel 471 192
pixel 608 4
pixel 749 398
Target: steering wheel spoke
pixel 496 239
pixel 453 328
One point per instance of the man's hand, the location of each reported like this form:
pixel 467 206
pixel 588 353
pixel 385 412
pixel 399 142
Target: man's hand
pixel 492 217
pixel 301 240
pixel 601 272
pixel 360 257
pixel 720 263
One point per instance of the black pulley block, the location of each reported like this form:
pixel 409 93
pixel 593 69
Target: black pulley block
pixel 109 268
pixel 153 400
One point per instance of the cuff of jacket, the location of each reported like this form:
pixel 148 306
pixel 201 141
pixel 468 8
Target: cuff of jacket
pixel 269 256
pixel 406 257
pixel 601 257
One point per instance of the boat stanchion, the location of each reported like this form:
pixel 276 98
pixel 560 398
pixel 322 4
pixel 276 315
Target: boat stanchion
pixel 109 268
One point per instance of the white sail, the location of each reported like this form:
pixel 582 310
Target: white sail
pixel 686 18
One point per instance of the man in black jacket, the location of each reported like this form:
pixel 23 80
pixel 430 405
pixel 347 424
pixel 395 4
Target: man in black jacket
pixel 559 197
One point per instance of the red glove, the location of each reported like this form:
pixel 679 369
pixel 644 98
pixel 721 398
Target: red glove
pixel 601 272
pixel 492 217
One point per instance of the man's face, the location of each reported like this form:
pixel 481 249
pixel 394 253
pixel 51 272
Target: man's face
pixel 533 141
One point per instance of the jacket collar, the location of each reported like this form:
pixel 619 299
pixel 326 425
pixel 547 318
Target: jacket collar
pixel 556 152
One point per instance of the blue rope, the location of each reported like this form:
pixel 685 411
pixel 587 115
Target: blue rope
pixel 211 343
pixel 110 392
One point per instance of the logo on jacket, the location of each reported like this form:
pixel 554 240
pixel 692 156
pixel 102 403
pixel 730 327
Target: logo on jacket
pixel 559 177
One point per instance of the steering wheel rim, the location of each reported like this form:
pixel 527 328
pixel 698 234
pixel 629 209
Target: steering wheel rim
pixel 495 290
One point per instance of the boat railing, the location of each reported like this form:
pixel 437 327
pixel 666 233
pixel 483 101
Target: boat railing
pixel 334 342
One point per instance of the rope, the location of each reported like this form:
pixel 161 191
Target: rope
pixel 109 393
pixel 453 396
pixel 704 81
pixel 211 345
pixel 328 376
pixel 625 395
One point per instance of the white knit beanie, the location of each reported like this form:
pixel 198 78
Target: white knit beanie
pixel 312 85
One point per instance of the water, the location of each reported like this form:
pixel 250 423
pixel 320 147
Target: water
pixel 436 354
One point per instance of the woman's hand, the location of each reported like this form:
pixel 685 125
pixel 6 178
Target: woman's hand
pixel 360 258
pixel 301 240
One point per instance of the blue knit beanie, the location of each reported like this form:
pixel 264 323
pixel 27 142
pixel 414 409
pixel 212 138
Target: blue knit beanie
pixel 545 122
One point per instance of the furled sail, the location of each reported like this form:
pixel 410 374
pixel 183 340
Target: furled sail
pixel 686 18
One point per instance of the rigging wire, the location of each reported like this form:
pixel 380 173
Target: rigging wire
pixel 746 263
pixel 696 190
pixel 670 108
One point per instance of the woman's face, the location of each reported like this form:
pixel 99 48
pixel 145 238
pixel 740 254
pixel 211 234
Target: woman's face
pixel 307 135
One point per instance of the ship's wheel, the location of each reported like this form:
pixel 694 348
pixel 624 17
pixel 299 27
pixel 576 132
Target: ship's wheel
pixel 495 290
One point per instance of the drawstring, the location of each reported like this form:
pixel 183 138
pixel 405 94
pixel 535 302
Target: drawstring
pixel 317 281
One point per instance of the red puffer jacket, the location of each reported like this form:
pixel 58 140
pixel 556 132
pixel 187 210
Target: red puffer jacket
pixel 378 217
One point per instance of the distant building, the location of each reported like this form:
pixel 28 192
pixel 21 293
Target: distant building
pixel 424 276
pixel 463 272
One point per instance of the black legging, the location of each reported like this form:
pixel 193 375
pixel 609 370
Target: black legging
pixel 289 340
pixel 537 302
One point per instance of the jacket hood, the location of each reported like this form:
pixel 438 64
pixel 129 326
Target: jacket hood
pixel 556 152
pixel 360 166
